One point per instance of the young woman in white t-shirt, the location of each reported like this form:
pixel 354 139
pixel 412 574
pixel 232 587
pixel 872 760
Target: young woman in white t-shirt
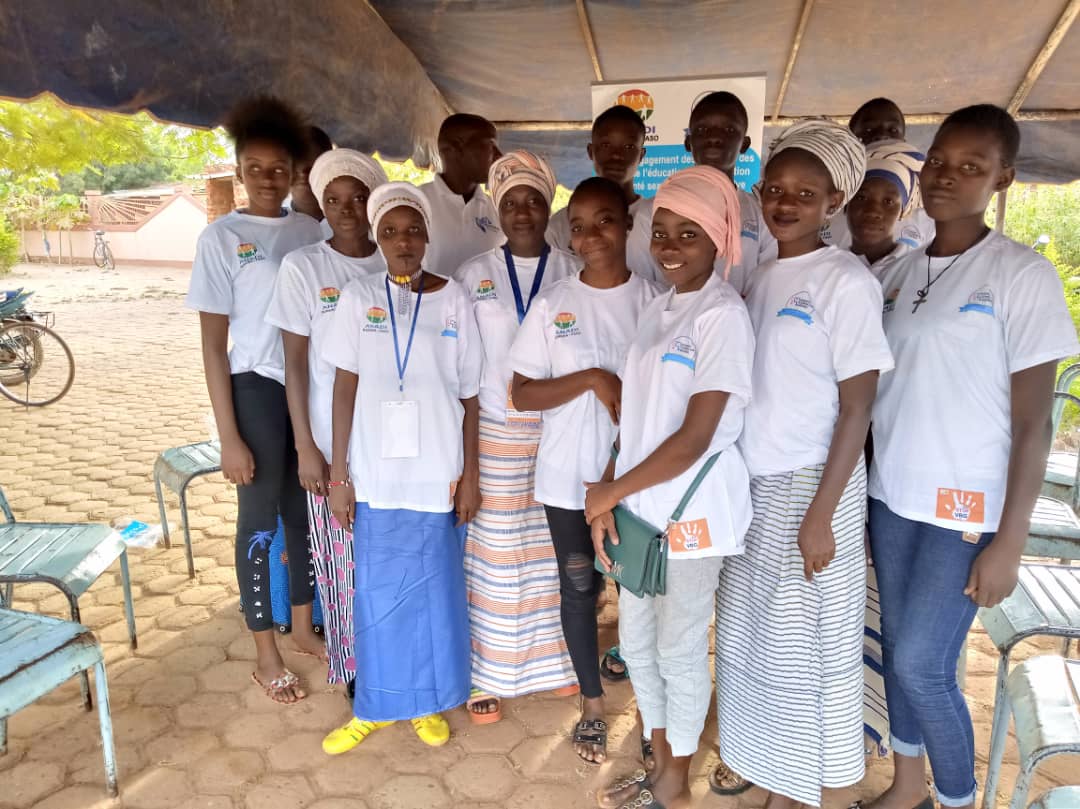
pixel 961 432
pixel 404 473
pixel 790 609
pixel 685 383
pixel 305 298
pixel 565 359
pixel 510 569
pixel 232 282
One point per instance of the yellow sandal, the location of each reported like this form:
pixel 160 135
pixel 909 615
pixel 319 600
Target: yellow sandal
pixel 432 729
pixel 348 736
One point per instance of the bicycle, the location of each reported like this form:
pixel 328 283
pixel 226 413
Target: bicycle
pixel 103 256
pixel 26 342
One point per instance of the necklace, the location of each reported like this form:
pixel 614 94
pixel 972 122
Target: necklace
pixel 922 294
pixel 404 285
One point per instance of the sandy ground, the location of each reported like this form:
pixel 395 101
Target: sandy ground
pixel 191 730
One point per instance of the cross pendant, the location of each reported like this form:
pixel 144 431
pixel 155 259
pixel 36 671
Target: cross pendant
pixel 917 303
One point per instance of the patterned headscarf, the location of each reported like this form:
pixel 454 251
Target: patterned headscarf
pixel 344 163
pixel 705 195
pixel 899 163
pixel 394 195
pixel 834 145
pixel 521 168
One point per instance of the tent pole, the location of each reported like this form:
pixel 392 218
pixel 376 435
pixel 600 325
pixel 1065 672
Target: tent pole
pixel 590 40
pixel 1058 33
pixel 792 56
pixel 1002 203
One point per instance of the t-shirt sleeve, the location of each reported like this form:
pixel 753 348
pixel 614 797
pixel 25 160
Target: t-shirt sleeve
pixel 558 230
pixel 529 354
pixel 211 287
pixel 725 352
pixel 291 307
pixel 1038 326
pixel 341 348
pixel 856 335
pixel 470 358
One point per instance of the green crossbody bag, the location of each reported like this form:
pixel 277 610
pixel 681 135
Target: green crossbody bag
pixel 639 561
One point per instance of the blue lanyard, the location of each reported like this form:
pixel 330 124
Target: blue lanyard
pixel 401 366
pixel 523 307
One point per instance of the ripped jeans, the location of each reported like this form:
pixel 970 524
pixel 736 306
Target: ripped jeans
pixel 579 586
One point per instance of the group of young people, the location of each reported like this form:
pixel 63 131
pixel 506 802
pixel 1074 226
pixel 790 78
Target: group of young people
pixel 445 394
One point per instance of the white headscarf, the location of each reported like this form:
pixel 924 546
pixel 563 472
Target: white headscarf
pixel 834 145
pixel 899 163
pixel 393 195
pixel 344 163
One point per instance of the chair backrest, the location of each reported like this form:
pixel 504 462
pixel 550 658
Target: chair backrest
pixel 5 507
pixel 1064 382
pixel 1060 398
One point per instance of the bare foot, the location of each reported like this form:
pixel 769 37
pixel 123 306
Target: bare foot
pixel 894 798
pixel 306 642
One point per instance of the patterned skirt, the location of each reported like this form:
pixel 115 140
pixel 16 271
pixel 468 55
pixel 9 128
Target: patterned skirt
pixel 511 575
pixel 332 556
pixel 789 653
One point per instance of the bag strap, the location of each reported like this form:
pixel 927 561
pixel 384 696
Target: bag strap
pixel 676 515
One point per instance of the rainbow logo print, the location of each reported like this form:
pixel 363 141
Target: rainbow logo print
pixel 486 287
pixel 565 321
pixel 639 101
pixel 329 294
pixel 376 315
pixel 246 250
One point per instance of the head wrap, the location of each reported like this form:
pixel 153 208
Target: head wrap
pixel 899 163
pixel 705 195
pixel 395 195
pixel 521 168
pixel 344 163
pixel 834 145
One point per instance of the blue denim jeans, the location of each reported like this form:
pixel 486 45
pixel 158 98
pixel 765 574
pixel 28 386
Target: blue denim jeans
pixel 922 571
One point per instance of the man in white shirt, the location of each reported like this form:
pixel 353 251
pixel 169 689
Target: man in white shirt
pixel 464 222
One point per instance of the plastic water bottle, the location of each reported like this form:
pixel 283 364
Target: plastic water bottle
pixel 138 534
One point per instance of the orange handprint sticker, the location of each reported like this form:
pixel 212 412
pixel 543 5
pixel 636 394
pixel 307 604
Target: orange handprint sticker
pixel 691 535
pixel 959 505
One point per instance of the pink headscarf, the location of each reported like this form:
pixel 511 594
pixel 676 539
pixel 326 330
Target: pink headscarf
pixel 705 195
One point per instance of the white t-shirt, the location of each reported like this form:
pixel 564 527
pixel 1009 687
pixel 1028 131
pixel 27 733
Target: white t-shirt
pixel 816 323
pixel 459 229
pixel 914 231
pixel 487 281
pixel 688 344
pixel 573 327
pixel 306 295
pixel 942 423
pixel 882 266
pixel 757 242
pixel 443 368
pixel 236 263
pixel 639 257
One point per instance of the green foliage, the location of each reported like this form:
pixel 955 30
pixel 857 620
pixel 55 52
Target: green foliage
pixel 9 247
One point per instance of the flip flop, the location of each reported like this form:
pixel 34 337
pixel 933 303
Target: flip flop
pixel 610 674
pixel 647 753
pixel 644 796
pixel 567 691
pixel 476 697
pixel 725 781
pixel 925 803
pixel 274 688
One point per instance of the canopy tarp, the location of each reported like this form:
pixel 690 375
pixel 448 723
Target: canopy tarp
pixel 381 75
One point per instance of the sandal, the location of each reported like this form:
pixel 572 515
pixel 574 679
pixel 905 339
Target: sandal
pixel 478 697
pixel 925 803
pixel 647 754
pixel 567 691
pixel 348 736
pixel 725 781
pixel 433 730
pixel 593 732
pixel 278 685
pixel 644 796
pixel 611 657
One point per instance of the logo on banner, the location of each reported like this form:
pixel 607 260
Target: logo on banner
pixel 799 306
pixel 981 300
pixel 639 101
pixel 376 317
pixel 566 325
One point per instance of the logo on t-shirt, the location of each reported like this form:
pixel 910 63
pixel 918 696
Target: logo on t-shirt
pixel 799 306
pixel 485 290
pixel 910 235
pixel 485 224
pixel 566 325
pixel 956 504
pixel 450 329
pixel 683 351
pixel 981 300
pixel 691 535
pixel 248 252
pixel 329 297
pixel 376 317
pixel 890 300
pixel 749 229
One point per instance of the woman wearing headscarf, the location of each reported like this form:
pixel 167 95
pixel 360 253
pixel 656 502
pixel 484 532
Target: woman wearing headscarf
pixel 511 574
pixel 789 622
pixel 404 474
pixel 888 194
pixel 686 382
pixel 306 295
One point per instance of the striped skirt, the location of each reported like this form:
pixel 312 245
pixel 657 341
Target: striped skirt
pixel 789 673
pixel 511 575
pixel 875 714
pixel 332 557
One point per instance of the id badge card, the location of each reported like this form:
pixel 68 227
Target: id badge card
pixel 519 418
pixel 400 429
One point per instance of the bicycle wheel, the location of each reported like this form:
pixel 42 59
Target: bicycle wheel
pixel 110 263
pixel 36 365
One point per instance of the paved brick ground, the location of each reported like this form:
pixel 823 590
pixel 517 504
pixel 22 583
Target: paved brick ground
pixel 191 730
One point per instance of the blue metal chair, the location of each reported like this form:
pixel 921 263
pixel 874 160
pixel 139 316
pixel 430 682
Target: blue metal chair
pixel 42 653
pixel 1059 798
pixel 176 468
pixel 69 556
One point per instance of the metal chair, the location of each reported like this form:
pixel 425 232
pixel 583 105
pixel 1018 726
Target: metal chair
pixel 176 468
pixel 69 556
pixel 42 653
pixel 1042 695
pixel 1059 798
pixel 1062 478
